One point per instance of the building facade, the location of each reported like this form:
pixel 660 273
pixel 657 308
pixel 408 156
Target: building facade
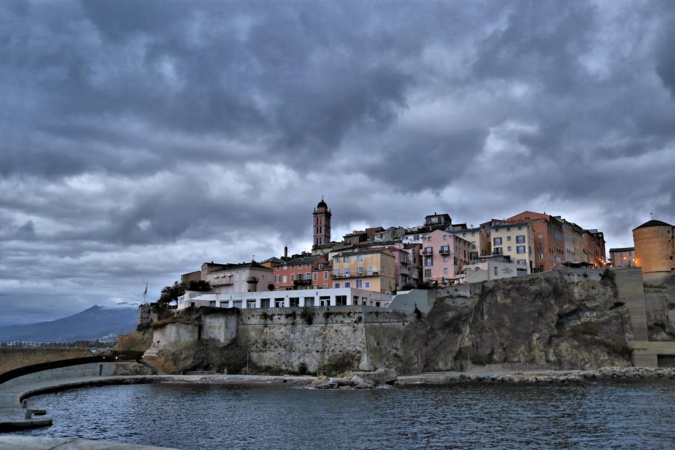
pixel 286 299
pixel 488 268
pixel 479 239
pixel 622 257
pixel 443 254
pixel 549 240
pixel 237 278
pixel 304 272
pixel 371 269
pixel 516 241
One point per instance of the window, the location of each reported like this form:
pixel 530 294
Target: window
pixel 277 278
pixel 429 238
pixel 345 259
pixel 520 239
pixel 336 285
pixel 309 301
pixel 367 284
pixel 370 270
pixel 496 271
pixel 325 275
pixel 284 278
pixel 337 259
pixel 521 262
pixel 428 261
pixel 264 302
pixel 340 300
pixel 520 249
pixel 346 271
pixel 445 259
pixel 473 245
pixel 307 266
pixel 359 283
pixel 278 302
pixel 359 270
pixel 315 276
pixel 336 272
pixel 427 273
pixel 445 237
pixel 292 277
pixel 294 302
pixel 508 238
pixel 445 270
pixel 359 257
pixel 498 251
pixel 497 241
pixel 348 284
pixel 539 236
pixel 508 249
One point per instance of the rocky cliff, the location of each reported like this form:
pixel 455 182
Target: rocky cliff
pixel 556 320
pixel 559 320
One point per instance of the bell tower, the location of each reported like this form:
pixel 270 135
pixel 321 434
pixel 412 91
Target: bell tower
pixel 321 228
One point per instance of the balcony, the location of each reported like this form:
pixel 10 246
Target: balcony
pixel 445 250
pixel 223 282
pixel 302 282
pixel 428 251
pixel 356 275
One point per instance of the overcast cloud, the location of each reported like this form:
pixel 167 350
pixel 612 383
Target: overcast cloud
pixel 140 139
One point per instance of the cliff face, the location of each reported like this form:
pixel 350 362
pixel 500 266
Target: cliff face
pixel 555 320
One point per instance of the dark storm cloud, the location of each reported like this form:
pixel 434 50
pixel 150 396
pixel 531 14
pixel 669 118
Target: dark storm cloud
pixel 143 138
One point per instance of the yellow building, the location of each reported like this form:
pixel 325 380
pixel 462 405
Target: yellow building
pixel 373 270
pixel 655 250
pixel 515 240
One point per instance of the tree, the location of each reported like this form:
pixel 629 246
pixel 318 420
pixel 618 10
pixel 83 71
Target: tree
pixel 199 286
pixel 171 293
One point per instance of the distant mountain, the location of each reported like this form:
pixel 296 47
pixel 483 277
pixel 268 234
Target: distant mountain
pixel 90 324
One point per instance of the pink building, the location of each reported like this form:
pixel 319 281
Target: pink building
pixel 443 254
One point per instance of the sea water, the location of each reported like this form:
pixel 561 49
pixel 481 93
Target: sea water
pixel 634 415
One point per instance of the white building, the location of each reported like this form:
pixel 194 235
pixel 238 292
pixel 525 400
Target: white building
pixel 286 299
pixel 490 268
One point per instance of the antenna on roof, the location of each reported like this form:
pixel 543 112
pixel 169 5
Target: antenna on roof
pixel 651 215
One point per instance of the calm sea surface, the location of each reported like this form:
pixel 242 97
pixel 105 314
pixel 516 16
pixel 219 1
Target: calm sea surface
pixel 189 416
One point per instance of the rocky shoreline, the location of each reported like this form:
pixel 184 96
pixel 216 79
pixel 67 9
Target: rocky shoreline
pixel 365 380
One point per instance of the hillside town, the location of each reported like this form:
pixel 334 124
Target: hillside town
pixel 370 266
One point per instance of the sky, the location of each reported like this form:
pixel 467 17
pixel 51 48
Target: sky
pixel 141 139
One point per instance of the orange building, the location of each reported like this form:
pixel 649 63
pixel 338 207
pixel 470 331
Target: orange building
pixel 549 240
pixel 655 250
pixel 304 272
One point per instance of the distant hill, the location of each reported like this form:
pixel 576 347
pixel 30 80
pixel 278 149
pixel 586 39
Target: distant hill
pixel 90 324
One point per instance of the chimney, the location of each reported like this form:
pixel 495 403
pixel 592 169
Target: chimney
pixel 286 252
